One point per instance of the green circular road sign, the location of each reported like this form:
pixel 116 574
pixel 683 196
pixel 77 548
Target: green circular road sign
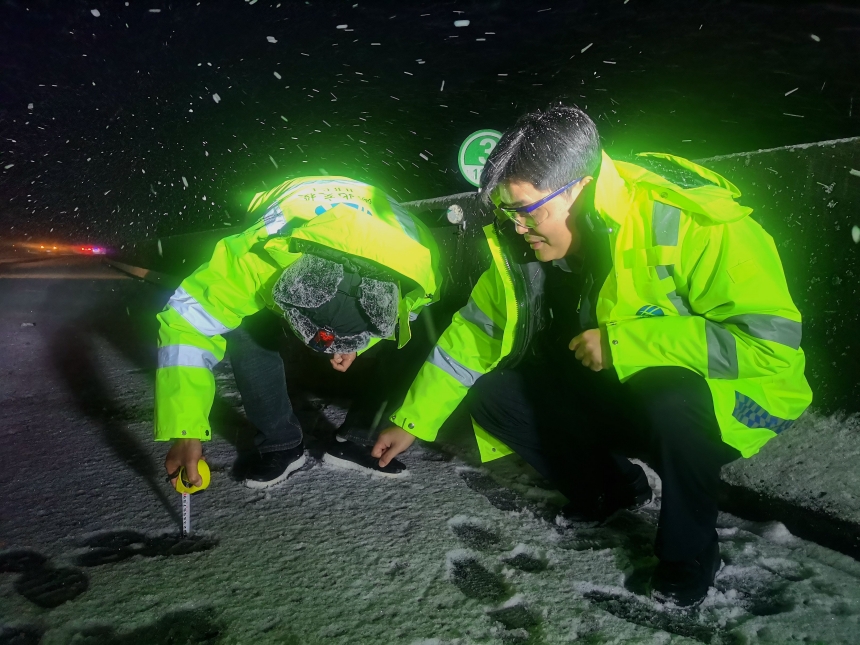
pixel 474 152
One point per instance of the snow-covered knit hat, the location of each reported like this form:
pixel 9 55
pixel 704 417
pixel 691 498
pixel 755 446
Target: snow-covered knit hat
pixel 333 305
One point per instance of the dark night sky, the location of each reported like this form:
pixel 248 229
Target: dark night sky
pixel 102 116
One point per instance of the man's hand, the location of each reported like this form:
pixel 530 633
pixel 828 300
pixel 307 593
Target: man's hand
pixel 392 441
pixel 341 362
pixel 592 349
pixel 184 453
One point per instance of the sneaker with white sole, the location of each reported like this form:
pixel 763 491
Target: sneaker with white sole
pixel 270 468
pixel 354 456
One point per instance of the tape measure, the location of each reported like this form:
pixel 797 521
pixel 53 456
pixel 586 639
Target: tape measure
pixel 185 486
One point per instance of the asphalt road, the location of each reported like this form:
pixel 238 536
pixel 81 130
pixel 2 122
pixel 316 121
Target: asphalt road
pixel 68 346
pixel 89 551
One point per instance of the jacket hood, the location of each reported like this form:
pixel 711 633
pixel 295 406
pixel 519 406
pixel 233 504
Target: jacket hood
pixel 715 199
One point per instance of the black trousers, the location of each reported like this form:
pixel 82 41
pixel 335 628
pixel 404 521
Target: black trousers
pixel 577 428
pixel 257 349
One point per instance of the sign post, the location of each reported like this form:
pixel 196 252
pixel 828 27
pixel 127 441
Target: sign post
pixel 474 152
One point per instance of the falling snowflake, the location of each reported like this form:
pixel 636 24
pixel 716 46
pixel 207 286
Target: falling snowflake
pixel 216 98
pixel 271 39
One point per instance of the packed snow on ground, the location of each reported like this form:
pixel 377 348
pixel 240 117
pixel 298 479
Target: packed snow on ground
pixel 452 554
pixel 814 464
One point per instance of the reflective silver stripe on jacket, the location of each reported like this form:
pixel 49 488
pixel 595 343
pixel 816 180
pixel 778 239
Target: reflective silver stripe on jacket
pixel 722 351
pixel 681 304
pixel 194 313
pixel 767 327
pixel 185 356
pixel 274 219
pixel 442 359
pixel 473 314
pixel 405 220
pixel 752 415
pixel 665 222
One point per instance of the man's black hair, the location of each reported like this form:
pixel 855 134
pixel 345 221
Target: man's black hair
pixel 547 148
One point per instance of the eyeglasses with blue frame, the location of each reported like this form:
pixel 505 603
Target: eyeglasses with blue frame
pixel 514 213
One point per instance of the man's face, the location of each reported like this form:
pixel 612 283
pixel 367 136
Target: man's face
pixel 555 235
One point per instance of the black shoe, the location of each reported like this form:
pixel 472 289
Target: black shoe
pixel 686 583
pixel 353 456
pixel 628 497
pixel 269 468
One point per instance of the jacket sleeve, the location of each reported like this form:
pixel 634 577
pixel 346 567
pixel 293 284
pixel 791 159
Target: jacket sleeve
pixel 742 322
pixel 470 347
pixel 209 303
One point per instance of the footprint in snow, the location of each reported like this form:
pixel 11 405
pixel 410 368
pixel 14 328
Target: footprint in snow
pixel 467 574
pixel 473 532
pixel 648 613
pixel 502 498
pixel 20 635
pixel 199 625
pixel 115 546
pixel 39 581
pixel 525 559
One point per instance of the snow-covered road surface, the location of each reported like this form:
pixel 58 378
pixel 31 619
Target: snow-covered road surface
pixel 448 555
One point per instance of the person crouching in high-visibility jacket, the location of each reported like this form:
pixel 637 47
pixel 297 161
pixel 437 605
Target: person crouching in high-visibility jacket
pixel 336 261
pixel 649 273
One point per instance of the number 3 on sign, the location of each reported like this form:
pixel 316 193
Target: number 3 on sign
pixel 474 153
pixel 490 144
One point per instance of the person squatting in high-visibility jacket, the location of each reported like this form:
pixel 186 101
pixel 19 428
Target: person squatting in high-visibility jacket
pixel 656 322
pixel 336 261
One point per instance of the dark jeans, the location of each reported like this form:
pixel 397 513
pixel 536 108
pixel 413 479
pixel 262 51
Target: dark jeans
pixel 576 428
pixel 255 350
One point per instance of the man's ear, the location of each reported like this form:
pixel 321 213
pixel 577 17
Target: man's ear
pixel 585 193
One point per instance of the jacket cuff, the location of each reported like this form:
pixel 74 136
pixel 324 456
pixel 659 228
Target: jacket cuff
pixel 413 426
pixel 203 434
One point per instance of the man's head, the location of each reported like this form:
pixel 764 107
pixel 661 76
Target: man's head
pixel 550 155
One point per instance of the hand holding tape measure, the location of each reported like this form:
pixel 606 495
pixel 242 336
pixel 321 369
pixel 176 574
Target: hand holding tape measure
pixel 185 454
pixel 189 473
pixel 184 485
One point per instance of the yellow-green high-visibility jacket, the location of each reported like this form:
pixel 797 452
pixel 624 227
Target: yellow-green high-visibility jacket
pixel 695 283
pixel 335 212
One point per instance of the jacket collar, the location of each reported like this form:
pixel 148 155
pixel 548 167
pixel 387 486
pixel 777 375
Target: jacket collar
pixel 612 196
